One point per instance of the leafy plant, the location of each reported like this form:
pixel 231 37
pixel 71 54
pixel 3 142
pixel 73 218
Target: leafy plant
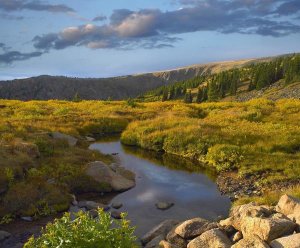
pixel 86 232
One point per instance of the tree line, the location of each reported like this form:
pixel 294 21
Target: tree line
pixel 226 83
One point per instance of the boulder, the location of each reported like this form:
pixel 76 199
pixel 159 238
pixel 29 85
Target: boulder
pixel 89 205
pixel 165 244
pixel 288 205
pixel 173 238
pixel 116 205
pixel 161 229
pixel 102 173
pixel 116 214
pixel 164 205
pixel 4 235
pixel 238 213
pixel 251 242
pixel 154 243
pixel 194 227
pixel 70 139
pixel 267 229
pixel 228 230
pixel 123 172
pixel 213 238
pixel 292 241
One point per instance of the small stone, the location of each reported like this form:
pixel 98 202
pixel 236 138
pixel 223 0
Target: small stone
pixel 27 218
pixel 89 205
pixel 116 205
pixel 164 205
pixel 74 201
pixel 116 214
pixel 93 213
pixel 90 139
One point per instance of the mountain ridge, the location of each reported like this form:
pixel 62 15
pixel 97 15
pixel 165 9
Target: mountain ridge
pixel 46 87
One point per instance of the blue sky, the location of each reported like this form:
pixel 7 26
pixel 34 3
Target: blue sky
pixel 100 38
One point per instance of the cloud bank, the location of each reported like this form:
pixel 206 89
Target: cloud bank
pixel 35 5
pixel 153 28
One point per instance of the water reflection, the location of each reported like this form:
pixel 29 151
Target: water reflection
pixel 161 177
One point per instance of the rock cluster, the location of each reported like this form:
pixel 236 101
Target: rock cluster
pixel 248 226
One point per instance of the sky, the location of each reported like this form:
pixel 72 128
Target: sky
pixel 104 38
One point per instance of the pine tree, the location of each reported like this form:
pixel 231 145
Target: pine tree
pixel 165 95
pixel 76 98
pixel 188 97
pixel 212 92
pixel 204 94
pixel 199 95
pixel 172 93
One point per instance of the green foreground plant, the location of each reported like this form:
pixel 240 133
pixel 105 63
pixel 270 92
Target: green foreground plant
pixel 86 232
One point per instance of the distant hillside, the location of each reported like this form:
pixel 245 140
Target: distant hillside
pixel 272 78
pixel 116 88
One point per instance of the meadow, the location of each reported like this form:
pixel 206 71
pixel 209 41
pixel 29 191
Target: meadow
pixel 38 173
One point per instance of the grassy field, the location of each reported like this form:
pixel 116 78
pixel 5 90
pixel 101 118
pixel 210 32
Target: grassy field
pixel 259 137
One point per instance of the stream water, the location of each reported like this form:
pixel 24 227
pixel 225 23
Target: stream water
pixel 164 178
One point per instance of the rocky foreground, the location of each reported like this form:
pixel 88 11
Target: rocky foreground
pixel 248 226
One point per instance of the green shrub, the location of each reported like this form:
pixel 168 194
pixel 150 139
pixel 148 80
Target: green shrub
pixel 224 157
pixel 45 148
pixel 85 232
pixel 33 197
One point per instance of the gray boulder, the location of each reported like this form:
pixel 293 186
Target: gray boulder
pixel 173 238
pixel 70 139
pixel 251 242
pixel 154 243
pixel 166 244
pixel 213 238
pixel 289 206
pixel 267 229
pixel 238 213
pixel 161 229
pixel 194 227
pixel 102 173
pixel 292 241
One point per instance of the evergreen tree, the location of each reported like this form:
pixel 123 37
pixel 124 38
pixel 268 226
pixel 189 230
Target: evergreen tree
pixel 76 98
pixel 204 94
pixel 172 93
pixel 165 95
pixel 212 92
pixel 188 97
pixel 199 95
